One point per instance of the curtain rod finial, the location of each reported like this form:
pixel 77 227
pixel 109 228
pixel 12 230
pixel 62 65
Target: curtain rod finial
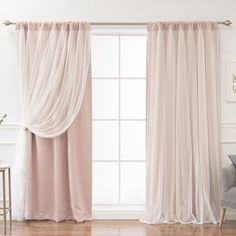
pixel 7 22
pixel 228 22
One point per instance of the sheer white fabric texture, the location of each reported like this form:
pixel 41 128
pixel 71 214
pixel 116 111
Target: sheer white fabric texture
pixel 183 156
pixel 54 62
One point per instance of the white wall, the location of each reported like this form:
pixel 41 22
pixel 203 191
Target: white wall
pixel 110 10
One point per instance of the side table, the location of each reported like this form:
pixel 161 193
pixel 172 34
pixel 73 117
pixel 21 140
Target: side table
pixel 4 208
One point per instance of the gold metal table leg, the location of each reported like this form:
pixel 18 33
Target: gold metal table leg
pixel 4 201
pixel 9 189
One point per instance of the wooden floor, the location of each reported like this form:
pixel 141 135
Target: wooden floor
pixel 116 228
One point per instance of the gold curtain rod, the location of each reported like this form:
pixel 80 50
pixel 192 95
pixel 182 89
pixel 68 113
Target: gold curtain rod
pixel 226 22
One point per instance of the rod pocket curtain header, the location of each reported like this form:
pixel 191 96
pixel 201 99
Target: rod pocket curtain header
pixel 53 26
pixel 198 25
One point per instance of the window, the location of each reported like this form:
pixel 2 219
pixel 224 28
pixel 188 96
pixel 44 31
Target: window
pixel 119 117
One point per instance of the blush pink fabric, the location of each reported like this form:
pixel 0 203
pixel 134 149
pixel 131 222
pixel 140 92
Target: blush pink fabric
pixel 183 150
pixel 59 170
pixel 52 167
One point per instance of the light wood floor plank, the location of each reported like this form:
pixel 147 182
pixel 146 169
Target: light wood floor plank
pixel 115 228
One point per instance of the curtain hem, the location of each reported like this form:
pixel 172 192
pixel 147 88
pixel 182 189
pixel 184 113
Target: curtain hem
pixel 45 216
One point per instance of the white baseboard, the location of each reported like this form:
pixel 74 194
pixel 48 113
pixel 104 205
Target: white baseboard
pixel 125 214
pixel 117 215
pixel 136 215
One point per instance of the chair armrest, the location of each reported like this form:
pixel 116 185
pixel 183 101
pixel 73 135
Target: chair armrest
pixel 228 177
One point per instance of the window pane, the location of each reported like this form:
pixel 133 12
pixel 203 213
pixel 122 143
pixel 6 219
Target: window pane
pixel 133 183
pixel 105 99
pixel 133 99
pixel 132 140
pixel 105 56
pixel 133 56
pixel 114 181
pixel 105 183
pixel 105 140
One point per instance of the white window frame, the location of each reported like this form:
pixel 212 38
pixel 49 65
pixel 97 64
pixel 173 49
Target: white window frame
pixel 118 211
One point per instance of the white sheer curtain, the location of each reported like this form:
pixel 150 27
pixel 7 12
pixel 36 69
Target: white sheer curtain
pixel 183 123
pixel 54 62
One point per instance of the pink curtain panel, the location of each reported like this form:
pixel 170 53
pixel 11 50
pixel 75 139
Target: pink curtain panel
pixel 52 167
pixel 183 123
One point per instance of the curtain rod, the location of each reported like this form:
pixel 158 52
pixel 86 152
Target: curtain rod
pixel 226 22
